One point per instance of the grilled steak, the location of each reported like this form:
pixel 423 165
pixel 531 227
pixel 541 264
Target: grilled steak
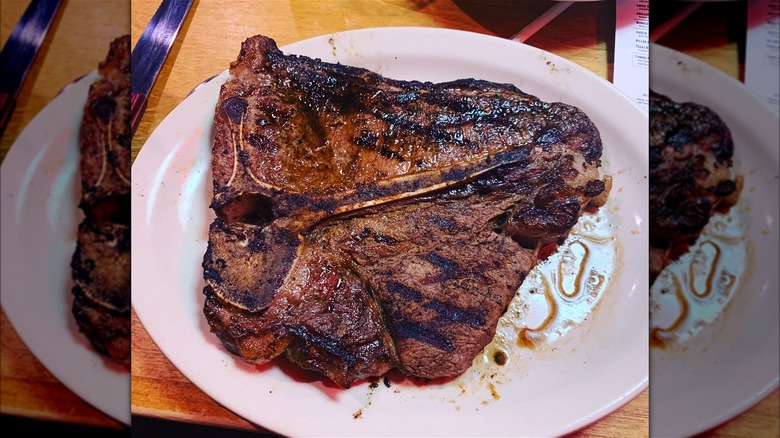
pixel 690 175
pixel 366 223
pixel 101 263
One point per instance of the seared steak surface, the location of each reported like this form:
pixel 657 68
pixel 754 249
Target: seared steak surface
pixel 690 175
pixel 366 223
pixel 101 263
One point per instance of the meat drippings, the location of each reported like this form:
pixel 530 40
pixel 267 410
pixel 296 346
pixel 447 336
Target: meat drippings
pixel 693 292
pixel 561 292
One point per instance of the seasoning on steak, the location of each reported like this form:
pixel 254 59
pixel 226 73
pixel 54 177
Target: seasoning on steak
pixel 366 223
pixel 690 176
pixel 101 263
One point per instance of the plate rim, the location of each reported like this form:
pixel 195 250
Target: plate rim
pixel 17 152
pixel 733 85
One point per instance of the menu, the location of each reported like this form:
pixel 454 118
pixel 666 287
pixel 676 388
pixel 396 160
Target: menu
pixel 632 50
pixel 762 53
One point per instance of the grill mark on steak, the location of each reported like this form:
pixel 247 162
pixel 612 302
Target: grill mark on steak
pixel 307 341
pixel 442 223
pixel 454 314
pixel 425 333
pixel 382 238
pixel 449 269
pixel 447 312
pixel 405 292
pixel 383 228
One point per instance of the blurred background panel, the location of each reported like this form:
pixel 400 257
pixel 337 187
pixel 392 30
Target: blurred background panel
pixel 713 32
pixel 714 370
pixel 77 41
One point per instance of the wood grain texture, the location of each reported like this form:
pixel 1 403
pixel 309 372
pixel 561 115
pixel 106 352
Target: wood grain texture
pixel 210 39
pixel 27 389
pixel 76 43
pixel 714 34
pixel 762 420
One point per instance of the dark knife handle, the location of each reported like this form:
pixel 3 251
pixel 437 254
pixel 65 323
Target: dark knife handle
pixel 137 109
pixel 6 108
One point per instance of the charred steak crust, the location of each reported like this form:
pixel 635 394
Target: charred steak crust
pixel 105 132
pixel 101 262
pixel 107 330
pixel 366 223
pixel 691 153
pixel 326 138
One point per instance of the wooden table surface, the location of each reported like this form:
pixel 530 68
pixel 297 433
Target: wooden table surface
pixel 210 40
pixel 77 41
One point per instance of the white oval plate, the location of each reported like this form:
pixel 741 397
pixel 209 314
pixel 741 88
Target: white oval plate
pixel 590 374
pixel 40 217
pixel 734 365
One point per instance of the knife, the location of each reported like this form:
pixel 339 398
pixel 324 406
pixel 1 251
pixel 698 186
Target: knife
pixel 19 52
pixel 150 52
pixel 541 21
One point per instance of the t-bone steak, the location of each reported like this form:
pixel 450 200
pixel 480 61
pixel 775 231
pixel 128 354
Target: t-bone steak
pixel 365 223
pixel 101 262
pixel 691 153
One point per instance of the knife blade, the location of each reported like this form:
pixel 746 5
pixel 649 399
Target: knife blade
pixel 150 52
pixel 20 50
